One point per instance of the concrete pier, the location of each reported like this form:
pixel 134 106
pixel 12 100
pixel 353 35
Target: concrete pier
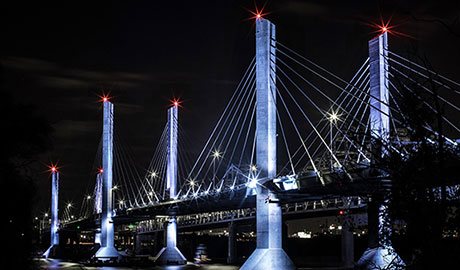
pixel 170 254
pixel 52 251
pixel 107 250
pixel 380 253
pixel 231 252
pixel 348 242
pixel 269 253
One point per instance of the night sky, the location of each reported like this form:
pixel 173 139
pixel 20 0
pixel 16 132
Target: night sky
pixel 61 57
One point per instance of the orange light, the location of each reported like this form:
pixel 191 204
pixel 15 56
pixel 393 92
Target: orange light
pixel 53 169
pixel 258 16
pixel 101 170
pixel 384 29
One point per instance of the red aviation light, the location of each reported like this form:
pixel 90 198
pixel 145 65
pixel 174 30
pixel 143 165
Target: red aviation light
pixel 104 97
pixel 258 14
pixel 387 27
pixel 101 170
pixel 53 168
pixel 341 212
pixel 175 102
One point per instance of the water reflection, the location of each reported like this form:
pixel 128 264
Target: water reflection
pixel 63 265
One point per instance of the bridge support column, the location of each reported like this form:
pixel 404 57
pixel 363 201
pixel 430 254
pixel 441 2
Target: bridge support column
pixel 348 243
pixel 380 253
pixel 231 255
pixel 170 254
pixel 269 253
pixel 107 250
pixel 98 207
pixel 52 251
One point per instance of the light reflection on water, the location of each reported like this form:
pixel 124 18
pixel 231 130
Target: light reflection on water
pixel 62 265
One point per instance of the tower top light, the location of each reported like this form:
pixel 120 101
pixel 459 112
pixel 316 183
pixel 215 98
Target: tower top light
pixel 175 102
pixel 53 168
pixel 104 97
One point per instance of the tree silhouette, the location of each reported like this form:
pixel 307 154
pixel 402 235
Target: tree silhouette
pixel 25 135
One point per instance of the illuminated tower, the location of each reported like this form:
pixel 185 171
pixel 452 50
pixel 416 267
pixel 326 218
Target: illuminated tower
pixel 170 253
pixel 380 253
pixel 51 251
pixel 269 253
pixel 107 249
pixel 98 204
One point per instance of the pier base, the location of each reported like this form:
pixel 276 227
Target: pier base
pixel 170 254
pixel 52 252
pixel 107 253
pixel 268 259
pixel 380 258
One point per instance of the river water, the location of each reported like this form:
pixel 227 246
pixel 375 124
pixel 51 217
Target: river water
pixel 63 265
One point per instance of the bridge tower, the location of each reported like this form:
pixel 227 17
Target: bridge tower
pixel 98 205
pixel 107 250
pixel 269 253
pixel 52 250
pixel 380 253
pixel 170 253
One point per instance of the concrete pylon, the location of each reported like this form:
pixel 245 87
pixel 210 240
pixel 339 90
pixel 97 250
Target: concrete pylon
pixel 269 253
pixel 231 251
pixel 107 250
pixel 54 245
pixel 170 254
pixel 348 242
pixel 98 206
pixel 380 253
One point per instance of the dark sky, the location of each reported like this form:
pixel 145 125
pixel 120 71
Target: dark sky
pixel 60 57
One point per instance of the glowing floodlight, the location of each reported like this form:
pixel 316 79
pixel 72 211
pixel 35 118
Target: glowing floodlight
pixel 216 154
pixel 252 182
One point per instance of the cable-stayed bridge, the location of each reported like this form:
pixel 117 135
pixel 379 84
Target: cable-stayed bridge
pixel 293 135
